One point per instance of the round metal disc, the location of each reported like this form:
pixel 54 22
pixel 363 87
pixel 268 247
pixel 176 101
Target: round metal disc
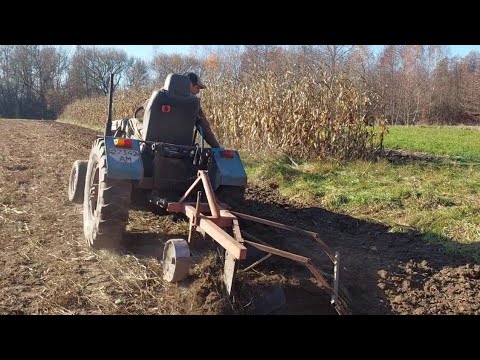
pixel 176 260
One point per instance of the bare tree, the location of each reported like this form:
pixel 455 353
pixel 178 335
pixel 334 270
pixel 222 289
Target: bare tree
pixel 387 69
pixel 91 67
pixel 103 62
pixel 334 55
pixel 262 58
pixel 9 83
pixel 223 61
pixel 138 75
pixel 79 81
pixel 416 83
pixel 163 64
pixel 32 80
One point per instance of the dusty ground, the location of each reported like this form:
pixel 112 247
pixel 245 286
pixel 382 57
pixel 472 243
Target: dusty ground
pixel 47 268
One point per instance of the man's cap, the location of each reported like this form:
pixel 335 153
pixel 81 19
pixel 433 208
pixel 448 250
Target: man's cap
pixel 194 79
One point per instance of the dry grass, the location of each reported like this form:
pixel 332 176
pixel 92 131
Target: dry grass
pixel 46 266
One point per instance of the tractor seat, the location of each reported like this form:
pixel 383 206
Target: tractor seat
pixel 171 112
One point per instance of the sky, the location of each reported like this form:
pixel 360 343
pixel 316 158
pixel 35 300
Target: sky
pixel 147 52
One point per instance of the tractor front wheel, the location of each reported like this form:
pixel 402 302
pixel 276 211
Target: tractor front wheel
pixel 105 204
pixel 76 184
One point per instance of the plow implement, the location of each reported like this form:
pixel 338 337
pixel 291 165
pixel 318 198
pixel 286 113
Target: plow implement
pixel 214 220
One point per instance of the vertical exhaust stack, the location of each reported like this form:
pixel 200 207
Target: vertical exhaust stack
pixel 108 124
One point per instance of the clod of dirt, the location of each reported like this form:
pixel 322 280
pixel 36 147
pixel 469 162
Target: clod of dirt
pixel 382 274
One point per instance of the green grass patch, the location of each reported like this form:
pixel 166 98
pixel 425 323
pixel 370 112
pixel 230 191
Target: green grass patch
pixel 439 200
pixel 459 142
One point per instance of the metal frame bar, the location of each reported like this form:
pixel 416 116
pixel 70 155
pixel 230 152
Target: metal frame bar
pixel 312 234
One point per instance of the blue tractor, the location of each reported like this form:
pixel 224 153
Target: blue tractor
pixel 159 162
pixel 164 158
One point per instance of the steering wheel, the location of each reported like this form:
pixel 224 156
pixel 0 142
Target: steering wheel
pixel 136 111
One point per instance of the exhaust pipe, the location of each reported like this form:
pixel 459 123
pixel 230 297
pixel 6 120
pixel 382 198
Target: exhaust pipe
pixel 108 124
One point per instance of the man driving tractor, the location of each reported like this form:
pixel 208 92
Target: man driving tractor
pixel 133 127
pixel 208 134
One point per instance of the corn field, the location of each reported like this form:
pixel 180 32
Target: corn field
pixel 312 116
pixel 93 111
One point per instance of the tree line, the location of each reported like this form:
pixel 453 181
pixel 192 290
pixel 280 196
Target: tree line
pixel 413 84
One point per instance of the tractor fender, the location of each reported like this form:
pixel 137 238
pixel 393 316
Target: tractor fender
pixel 123 162
pixel 226 170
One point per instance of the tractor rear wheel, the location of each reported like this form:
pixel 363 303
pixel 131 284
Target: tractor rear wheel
pixel 106 203
pixel 76 184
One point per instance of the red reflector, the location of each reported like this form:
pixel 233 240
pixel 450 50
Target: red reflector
pixel 228 154
pixel 126 143
pixel 166 108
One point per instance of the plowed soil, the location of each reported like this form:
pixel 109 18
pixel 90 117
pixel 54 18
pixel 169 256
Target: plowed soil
pixel 46 266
